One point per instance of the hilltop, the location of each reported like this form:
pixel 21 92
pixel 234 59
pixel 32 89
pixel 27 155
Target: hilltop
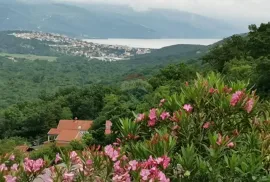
pixel 100 21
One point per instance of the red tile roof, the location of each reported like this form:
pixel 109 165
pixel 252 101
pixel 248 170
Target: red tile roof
pixel 83 125
pixel 68 135
pixel 54 131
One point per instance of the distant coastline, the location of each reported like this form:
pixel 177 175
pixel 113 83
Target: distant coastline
pixel 152 43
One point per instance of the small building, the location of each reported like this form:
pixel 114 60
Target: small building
pixel 68 130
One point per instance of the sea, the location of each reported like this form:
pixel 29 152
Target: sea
pixel 152 43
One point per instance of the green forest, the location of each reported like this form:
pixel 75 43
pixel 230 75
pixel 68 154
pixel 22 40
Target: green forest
pixel 36 94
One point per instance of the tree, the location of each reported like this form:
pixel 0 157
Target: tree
pixel 259 40
pixel 233 47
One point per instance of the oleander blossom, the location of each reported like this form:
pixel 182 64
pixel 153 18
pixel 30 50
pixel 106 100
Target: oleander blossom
pixel 152 114
pixel 10 178
pixel 236 97
pixel 57 158
pixel 14 167
pixel 111 152
pixel 152 117
pixel 12 157
pixel 133 164
pixel 249 105
pixel 230 145
pixel 3 167
pixel 188 108
pixel 219 140
pixel 68 177
pixel 140 117
pixel 206 125
pixel 162 101
pixel 33 166
pixel 165 115
pixel 144 174
pixel 212 91
pixel 151 122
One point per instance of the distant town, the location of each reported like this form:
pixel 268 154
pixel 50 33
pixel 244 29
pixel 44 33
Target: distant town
pixel 76 47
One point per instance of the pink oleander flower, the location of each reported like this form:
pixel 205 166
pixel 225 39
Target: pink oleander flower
pixel 57 158
pixel 249 105
pixel 159 160
pixel 12 157
pixel 162 177
pixel 152 114
pixel 3 167
pixel 162 101
pixel 140 117
pixel 133 164
pixel 219 140
pixel 38 164
pixel 111 152
pixel 144 174
pixel 151 122
pixel 188 108
pixel 212 90
pixel 33 166
pixel 89 162
pixel 14 167
pixel 122 178
pixel 165 115
pixel 236 97
pixel 73 155
pixel 230 145
pixel 206 125
pixel 166 162
pixel 10 178
pixel 68 177
pixel 124 158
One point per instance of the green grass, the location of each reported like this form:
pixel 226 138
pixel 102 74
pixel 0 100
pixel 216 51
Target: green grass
pixel 28 56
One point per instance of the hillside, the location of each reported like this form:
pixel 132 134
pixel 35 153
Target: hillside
pixel 98 21
pixel 47 44
pixel 40 64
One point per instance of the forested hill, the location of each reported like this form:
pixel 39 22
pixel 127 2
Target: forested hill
pixel 101 21
pixel 24 77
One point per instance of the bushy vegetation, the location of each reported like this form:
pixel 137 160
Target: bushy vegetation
pixel 209 131
pixel 244 57
pixel 187 122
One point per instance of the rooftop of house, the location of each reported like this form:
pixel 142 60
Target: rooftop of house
pixel 81 125
pixel 68 135
pixel 68 130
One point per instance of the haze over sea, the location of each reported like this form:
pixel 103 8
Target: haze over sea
pixel 152 43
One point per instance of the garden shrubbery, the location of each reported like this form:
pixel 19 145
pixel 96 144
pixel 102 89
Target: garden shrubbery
pixel 209 131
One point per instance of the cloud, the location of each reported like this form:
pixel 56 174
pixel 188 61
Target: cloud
pixel 243 10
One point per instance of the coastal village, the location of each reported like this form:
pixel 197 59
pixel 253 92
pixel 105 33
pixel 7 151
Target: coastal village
pixel 77 47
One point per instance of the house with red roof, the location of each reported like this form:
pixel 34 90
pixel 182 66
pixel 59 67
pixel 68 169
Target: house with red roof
pixel 69 130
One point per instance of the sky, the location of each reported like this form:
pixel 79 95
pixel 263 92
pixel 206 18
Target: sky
pixel 239 10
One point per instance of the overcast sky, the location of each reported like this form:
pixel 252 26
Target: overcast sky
pixel 246 10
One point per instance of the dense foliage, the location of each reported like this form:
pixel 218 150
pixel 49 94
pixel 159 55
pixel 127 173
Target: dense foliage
pixel 244 57
pixel 209 131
